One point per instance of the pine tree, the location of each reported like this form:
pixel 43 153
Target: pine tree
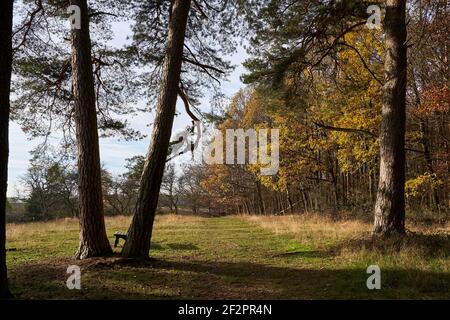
pixel 390 204
pixel 6 21
pixel 140 231
pixel 93 239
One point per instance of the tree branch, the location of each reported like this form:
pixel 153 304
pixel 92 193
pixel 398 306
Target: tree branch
pixel 98 13
pixel 362 60
pixel 349 130
pixel 28 24
pixel 205 67
pixel 199 8
pixel 186 104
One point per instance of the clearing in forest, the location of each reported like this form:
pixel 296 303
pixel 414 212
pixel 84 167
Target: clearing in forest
pixel 234 257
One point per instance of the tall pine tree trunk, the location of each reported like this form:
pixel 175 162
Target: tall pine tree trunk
pixel 140 231
pixel 6 18
pixel 93 239
pixel 390 203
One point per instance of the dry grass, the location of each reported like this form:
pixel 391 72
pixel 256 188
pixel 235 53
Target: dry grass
pixel 282 257
pixel 311 229
pixel 19 231
pixel 318 229
pixel 425 247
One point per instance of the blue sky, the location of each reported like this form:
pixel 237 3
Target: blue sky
pixel 114 151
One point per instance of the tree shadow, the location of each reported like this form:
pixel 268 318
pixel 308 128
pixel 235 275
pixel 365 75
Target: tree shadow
pixel 181 246
pixel 244 280
pixel 116 278
pixel 155 246
pixel 424 245
pixel 306 254
pixel 173 246
pixel 47 281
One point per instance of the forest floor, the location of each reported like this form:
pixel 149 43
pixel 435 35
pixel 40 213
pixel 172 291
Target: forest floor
pixel 289 257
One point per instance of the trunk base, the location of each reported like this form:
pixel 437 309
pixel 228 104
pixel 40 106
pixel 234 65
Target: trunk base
pixel 6 295
pixel 388 230
pixel 135 253
pixel 85 252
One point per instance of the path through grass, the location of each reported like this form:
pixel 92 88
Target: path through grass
pixel 219 258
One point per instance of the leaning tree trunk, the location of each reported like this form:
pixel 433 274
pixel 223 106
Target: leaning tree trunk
pixel 6 18
pixel 93 239
pixel 140 231
pixel 390 203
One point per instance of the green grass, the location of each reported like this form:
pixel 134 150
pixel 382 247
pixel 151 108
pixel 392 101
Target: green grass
pixel 231 258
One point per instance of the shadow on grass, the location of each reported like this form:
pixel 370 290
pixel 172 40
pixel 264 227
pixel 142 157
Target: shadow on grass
pixel 180 246
pixel 114 278
pixel 424 245
pixel 47 281
pixel 173 246
pixel 269 282
pixel 305 254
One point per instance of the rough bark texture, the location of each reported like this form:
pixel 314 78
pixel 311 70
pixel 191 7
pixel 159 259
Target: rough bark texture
pixel 390 203
pixel 93 239
pixel 140 231
pixel 6 13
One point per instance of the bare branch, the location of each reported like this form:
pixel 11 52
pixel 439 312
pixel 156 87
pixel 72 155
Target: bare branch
pixel 28 24
pixel 186 104
pixel 98 13
pixel 349 130
pixel 199 8
pixel 362 60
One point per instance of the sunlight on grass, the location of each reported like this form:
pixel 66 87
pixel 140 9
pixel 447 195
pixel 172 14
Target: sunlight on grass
pixel 425 248
pixel 309 228
pixel 234 257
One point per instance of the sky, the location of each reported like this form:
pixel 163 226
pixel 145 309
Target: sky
pixel 114 151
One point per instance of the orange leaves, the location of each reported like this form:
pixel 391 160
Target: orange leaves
pixel 435 100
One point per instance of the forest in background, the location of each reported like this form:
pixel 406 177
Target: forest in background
pixel 329 116
pixel 362 112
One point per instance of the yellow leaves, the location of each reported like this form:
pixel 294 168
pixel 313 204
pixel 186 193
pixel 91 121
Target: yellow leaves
pixel 361 57
pixel 348 97
pixel 414 136
pixel 351 101
pixel 419 185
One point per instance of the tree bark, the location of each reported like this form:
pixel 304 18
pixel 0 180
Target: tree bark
pixel 93 239
pixel 261 207
pixel 289 199
pixel 426 137
pixel 390 203
pixel 6 19
pixel 426 144
pixel 140 231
